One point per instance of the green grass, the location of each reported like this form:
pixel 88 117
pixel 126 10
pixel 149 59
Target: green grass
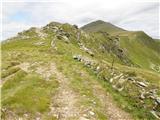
pixel 9 72
pixel 28 93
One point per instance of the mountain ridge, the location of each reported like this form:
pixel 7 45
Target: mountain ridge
pixel 106 76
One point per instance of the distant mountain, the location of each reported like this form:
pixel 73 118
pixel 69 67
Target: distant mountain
pixel 141 48
pixel 100 25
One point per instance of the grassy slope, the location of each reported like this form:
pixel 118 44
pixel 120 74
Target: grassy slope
pixel 141 49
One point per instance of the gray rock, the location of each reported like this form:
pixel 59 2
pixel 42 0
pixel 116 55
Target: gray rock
pixel 111 80
pixel 154 113
pixel 142 95
pixel 83 118
pixel 120 89
pixel 77 57
pixel 121 81
pixel 142 84
pixel 86 49
pixel 91 113
pixel 130 78
pixel 158 100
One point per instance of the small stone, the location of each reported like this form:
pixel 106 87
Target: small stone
pixel 121 81
pixel 85 115
pixel 130 78
pixel 120 89
pixel 77 57
pixel 111 80
pixel 142 96
pixel 91 113
pixel 142 84
pixel 83 118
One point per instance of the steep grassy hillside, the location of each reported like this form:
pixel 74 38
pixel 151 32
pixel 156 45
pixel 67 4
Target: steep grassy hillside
pixel 61 72
pixel 141 49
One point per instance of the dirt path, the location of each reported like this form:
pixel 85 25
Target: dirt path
pixel 63 106
pixel 112 111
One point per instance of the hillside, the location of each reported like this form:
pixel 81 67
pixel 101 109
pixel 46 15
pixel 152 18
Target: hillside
pixel 61 72
pixel 138 45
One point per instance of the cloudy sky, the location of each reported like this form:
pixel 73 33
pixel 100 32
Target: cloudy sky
pixel 18 15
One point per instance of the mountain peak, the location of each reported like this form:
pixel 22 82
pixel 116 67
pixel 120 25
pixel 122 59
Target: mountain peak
pixel 99 21
pixel 100 25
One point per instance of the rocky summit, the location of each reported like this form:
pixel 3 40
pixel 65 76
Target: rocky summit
pixel 96 72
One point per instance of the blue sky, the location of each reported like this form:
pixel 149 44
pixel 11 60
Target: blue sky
pixel 18 15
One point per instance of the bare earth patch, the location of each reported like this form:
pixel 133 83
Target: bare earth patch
pixel 63 106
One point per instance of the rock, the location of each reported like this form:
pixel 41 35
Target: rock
pixel 61 37
pixel 130 78
pixel 154 113
pixel 121 80
pixel 91 53
pixel 142 95
pixel 142 84
pixel 91 113
pixel 158 100
pixel 65 39
pixel 87 63
pixel 40 33
pixel 111 80
pixel 85 115
pixel 97 69
pixel 83 118
pixel 67 34
pixel 77 57
pixel 153 91
pixel 120 89
pixel 38 118
pixel 86 49
pixel 55 28
pixel 53 43
pixel 116 77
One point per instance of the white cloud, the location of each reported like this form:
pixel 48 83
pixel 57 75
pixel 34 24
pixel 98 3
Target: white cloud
pixel 21 14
